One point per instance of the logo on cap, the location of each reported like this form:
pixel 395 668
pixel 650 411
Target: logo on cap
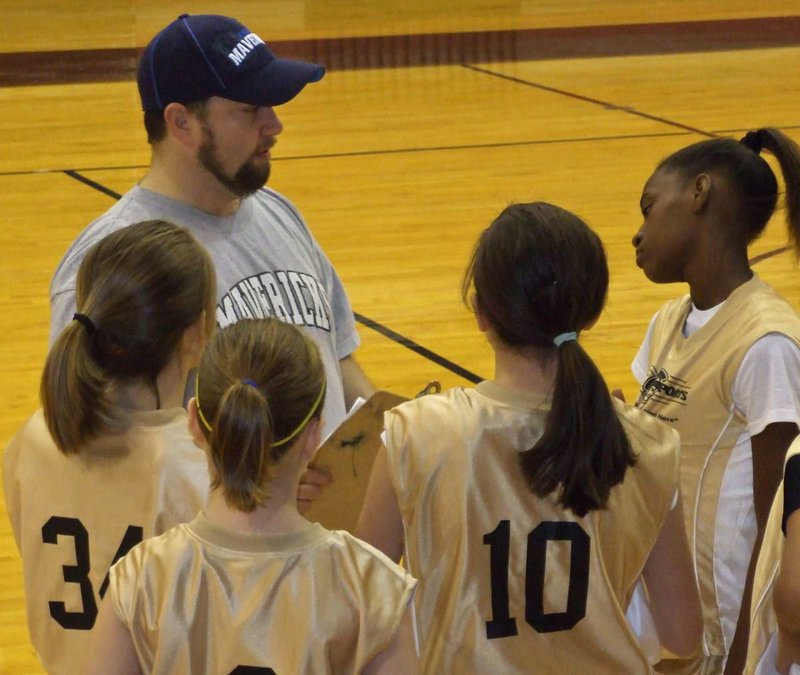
pixel 246 45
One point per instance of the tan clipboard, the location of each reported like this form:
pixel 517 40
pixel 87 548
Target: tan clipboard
pixel 348 455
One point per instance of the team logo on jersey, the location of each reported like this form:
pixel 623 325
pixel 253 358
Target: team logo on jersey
pixel 661 387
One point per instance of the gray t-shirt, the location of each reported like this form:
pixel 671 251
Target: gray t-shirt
pixel 267 263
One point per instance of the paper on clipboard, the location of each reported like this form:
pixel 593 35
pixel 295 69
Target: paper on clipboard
pixel 348 454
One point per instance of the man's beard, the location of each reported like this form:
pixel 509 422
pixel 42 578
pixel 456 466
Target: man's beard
pixel 247 180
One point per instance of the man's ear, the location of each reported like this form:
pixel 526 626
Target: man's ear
pixel 195 431
pixel 181 123
pixel 701 192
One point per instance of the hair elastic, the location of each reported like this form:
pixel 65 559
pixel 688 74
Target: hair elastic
pixel 252 383
pixel 559 340
pixel 288 438
pixel 754 141
pixel 85 321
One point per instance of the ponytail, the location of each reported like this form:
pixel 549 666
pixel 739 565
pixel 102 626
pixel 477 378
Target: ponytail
pixel 242 430
pixel 540 274
pixel 787 153
pixel 584 449
pixel 138 290
pixel 260 383
pixel 752 180
pixel 75 391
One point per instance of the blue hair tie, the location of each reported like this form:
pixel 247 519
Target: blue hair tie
pixel 559 340
pixel 251 383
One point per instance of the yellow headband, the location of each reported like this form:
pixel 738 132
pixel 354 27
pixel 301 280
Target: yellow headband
pixel 288 438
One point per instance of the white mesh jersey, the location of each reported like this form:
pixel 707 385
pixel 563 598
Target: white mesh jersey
pixel 510 582
pixel 73 515
pixel 202 599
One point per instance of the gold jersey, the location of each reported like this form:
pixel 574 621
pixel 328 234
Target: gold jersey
pixel 202 599
pixel 510 582
pixel 74 515
pixel 762 615
pixel 689 386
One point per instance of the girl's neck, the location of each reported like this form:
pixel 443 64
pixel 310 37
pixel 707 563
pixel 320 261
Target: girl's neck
pixel 532 371
pixel 719 264
pixel 715 280
pixel 277 516
pixel 170 386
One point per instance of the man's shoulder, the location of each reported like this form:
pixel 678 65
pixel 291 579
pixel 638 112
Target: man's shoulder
pixel 278 206
pixel 126 211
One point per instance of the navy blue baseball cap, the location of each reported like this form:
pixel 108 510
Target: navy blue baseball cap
pixel 205 55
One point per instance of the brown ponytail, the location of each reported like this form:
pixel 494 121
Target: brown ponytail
pixel 243 422
pixel 138 290
pixel 540 272
pixel 259 383
pixel 75 392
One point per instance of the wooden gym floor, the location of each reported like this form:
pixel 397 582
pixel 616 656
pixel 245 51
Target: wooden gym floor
pixel 434 115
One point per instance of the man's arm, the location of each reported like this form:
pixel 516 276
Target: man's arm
pixel 354 381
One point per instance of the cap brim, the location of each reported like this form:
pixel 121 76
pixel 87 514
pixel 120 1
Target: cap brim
pixel 278 83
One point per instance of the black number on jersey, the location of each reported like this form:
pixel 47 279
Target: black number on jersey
pixel 251 670
pixel 502 623
pixel 79 573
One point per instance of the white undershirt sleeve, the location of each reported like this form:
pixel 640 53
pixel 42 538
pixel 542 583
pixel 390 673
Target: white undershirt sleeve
pixel 766 389
pixel 641 362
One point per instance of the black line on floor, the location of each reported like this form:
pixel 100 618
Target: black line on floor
pixel 483 146
pixel 588 99
pixel 414 347
pixel 769 254
pixel 394 151
pixel 93 184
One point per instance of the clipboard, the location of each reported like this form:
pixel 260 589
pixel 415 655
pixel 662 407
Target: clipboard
pixel 348 454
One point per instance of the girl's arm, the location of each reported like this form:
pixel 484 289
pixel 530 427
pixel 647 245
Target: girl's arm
pixel 111 647
pixel 786 594
pixel 400 657
pixel 674 598
pixel 769 452
pixel 381 523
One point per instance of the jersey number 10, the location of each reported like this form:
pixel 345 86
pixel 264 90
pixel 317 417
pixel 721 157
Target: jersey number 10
pixel 499 542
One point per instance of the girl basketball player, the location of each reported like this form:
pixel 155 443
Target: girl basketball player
pixel 774 645
pixel 530 506
pixel 722 364
pixel 250 585
pixel 108 459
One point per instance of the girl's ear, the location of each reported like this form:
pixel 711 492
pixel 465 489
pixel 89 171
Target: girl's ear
pixel 701 191
pixel 195 431
pixel 311 438
pixel 483 324
pixel 194 340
